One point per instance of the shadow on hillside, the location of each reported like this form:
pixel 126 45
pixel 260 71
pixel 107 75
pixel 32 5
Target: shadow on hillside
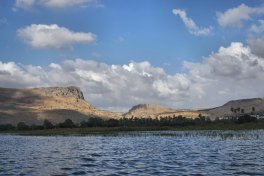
pixel 60 115
pixel 14 106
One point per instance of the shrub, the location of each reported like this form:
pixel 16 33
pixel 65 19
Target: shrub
pixel 112 123
pixel 6 127
pixel 22 126
pixel 36 127
pixel 47 124
pixel 246 118
pixel 83 124
pixel 95 122
pixel 68 123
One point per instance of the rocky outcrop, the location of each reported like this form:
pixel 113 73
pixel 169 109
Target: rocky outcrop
pixel 62 91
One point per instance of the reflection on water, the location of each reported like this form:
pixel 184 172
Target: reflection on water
pixel 136 153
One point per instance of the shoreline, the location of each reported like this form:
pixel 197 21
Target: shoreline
pixel 115 130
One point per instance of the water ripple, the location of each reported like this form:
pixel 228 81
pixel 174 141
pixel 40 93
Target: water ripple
pixel 136 153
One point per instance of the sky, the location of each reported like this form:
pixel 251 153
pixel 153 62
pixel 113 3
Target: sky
pixel 177 53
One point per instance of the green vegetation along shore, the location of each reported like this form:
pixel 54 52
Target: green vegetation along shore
pixel 112 126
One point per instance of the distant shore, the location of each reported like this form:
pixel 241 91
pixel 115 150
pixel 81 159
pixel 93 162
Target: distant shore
pixel 115 130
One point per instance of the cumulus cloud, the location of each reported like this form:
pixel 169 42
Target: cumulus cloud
pixel 190 24
pixel 233 72
pixel 234 62
pixel 107 86
pixel 53 36
pixel 28 4
pixel 234 17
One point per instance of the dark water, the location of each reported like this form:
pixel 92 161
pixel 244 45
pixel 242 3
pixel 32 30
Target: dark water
pixel 145 153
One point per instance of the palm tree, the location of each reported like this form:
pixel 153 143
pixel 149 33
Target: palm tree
pixel 238 109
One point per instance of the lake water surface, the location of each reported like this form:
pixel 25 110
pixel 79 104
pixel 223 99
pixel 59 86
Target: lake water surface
pixel 135 153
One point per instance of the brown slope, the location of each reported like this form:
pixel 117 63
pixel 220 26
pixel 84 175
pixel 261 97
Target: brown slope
pixel 245 104
pixel 146 110
pixel 56 104
pixel 154 110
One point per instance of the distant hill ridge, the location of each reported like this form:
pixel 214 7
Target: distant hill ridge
pixel 241 106
pixel 147 110
pixel 243 101
pixel 56 104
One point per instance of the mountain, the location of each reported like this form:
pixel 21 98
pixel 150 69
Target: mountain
pixel 154 110
pixel 56 104
pixel 238 106
pixel 147 110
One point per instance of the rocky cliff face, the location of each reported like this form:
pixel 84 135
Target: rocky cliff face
pixel 62 92
pixel 53 103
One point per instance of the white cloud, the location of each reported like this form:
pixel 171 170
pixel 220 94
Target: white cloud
pixel 232 72
pixel 107 86
pixel 234 17
pixel 258 28
pixel 28 4
pixel 64 3
pixel 191 25
pixel 257 45
pixel 25 4
pixel 234 62
pixel 53 36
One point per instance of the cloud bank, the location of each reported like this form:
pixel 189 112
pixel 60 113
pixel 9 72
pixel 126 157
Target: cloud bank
pixel 190 24
pixel 232 72
pixel 52 36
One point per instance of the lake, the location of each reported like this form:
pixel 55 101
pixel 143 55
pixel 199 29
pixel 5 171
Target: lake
pixel 135 153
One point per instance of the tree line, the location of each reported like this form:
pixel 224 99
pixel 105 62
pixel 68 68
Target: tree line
pixel 175 121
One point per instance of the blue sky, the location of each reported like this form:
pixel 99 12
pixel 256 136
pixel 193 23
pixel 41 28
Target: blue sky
pixel 131 31
pixel 126 30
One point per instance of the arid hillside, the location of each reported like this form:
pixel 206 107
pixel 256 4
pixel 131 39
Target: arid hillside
pixel 232 108
pixel 56 104
pixel 236 107
pixel 157 111
pixel 147 110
